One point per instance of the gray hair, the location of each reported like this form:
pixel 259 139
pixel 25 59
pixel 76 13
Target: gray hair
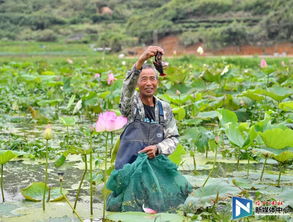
pixel 150 66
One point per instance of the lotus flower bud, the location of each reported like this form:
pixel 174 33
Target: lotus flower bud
pixel 48 133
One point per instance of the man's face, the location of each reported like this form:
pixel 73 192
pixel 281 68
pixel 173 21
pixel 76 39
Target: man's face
pixel 147 82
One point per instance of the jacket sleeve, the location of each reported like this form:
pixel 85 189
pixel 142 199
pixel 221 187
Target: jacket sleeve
pixel 128 91
pixel 169 144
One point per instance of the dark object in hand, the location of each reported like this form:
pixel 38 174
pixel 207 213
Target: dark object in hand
pixel 158 64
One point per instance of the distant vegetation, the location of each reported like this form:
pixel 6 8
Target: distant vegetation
pixel 118 23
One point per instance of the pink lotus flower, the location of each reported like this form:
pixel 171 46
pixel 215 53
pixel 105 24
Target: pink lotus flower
pixel 97 75
pixel 108 121
pixel 263 63
pixel 111 78
pixel 148 210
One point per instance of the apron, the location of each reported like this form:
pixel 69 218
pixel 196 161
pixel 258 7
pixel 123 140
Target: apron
pixel 138 135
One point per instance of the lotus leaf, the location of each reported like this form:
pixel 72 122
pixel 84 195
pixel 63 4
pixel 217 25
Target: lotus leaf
pixel 286 106
pixel 6 155
pixel 203 197
pixel 226 116
pixel 67 120
pixel 286 196
pixel 278 138
pixel 35 190
pixel 143 217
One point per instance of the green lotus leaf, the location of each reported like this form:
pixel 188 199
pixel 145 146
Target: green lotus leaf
pixel 176 156
pixel 203 196
pixel 278 138
pixel 67 120
pixel 56 195
pixel 143 217
pixel 35 190
pixel 281 155
pixel 242 183
pixel 226 116
pixel 286 106
pixel 276 93
pixel 234 134
pixel 179 113
pixel 251 94
pixel 207 115
pixel 285 156
pixel 286 196
pixel 6 155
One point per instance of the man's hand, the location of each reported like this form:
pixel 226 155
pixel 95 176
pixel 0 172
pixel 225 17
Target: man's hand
pixel 150 151
pixel 148 53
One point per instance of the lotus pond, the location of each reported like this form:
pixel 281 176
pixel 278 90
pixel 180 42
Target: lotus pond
pixel 235 120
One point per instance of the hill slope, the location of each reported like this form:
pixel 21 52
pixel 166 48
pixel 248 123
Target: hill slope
pixel 118 23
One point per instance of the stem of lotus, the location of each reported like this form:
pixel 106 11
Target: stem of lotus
pixel 105 176
pixel 2 189
pixel 46 176
pixel 263 168
pixel 238 158
pixel 67 135
pixel 215 160
pixel 279 179
pixel 91 178
pixel 206 152
pixel 248 164
pixel 111 148
pixel 81 181
pixel 194 163
pixel 74 211
pixel 49 194
pixel 106 154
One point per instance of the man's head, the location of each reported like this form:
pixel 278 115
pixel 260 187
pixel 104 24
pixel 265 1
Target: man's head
pixel 147 81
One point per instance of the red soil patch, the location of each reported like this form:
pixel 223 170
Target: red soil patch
pixel 172 47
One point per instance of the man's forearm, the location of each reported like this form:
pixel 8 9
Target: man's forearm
pixel 168 145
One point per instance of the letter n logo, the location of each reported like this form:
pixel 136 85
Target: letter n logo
pixel 241 207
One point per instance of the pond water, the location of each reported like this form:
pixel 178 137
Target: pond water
pixel 21 172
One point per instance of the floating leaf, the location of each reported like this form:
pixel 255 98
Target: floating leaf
pixel 56 195
pixel 286 196
pixel 35 191
pixel 143 217
pixel 243 183
pixel 204 196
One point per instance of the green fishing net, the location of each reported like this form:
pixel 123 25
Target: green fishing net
pixel 154 183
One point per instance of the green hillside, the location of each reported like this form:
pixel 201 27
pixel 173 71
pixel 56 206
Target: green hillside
pixel 118 23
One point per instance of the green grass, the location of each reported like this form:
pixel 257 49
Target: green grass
pixel 45 48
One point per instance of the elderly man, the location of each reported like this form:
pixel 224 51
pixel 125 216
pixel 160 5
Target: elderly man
pixel 144 176
pixel 152 127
